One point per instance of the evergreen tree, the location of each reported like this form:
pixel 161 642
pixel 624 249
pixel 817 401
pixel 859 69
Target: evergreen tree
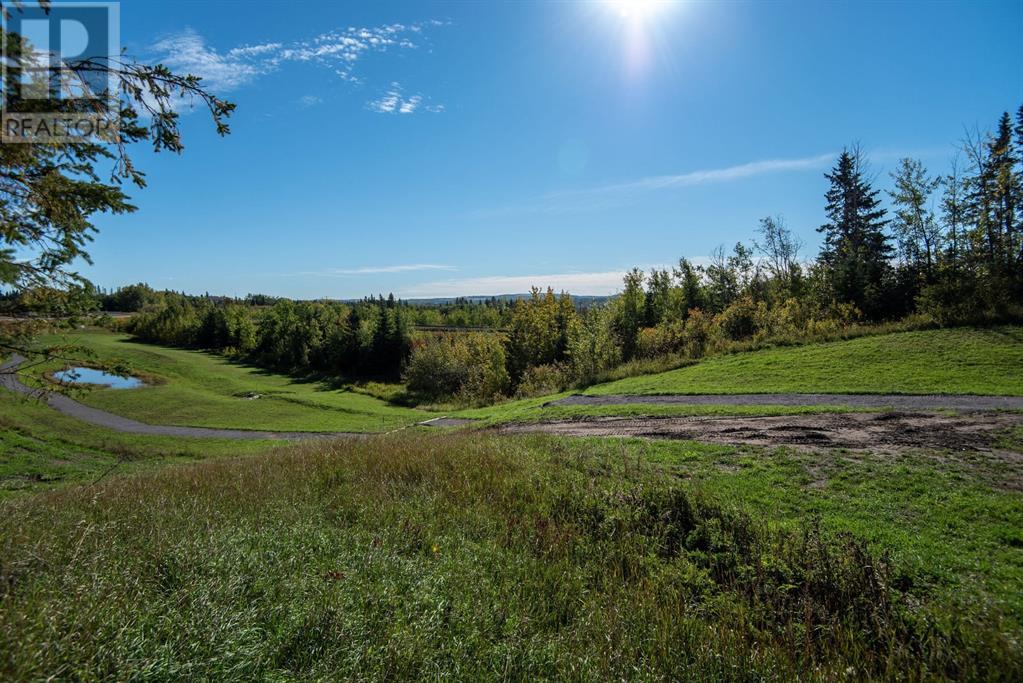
pixel 856 251
pixel 1005 192
pixel 52 190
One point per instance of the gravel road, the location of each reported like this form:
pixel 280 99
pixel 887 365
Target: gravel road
pixel 891 401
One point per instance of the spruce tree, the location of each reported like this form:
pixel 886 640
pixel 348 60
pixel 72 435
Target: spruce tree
pixel 856 250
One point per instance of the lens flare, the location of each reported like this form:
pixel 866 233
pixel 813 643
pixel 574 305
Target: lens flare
pixel 638 10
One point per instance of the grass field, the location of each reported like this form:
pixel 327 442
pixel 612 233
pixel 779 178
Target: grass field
pixel 536 410
pixel 40 448
pixel 469 556
pixel 947 361
pixel 206 390
pixel 426 554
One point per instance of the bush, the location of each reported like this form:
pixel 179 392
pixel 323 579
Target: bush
pixel 540 380
pixel 468 368
pixel 433 372
pixel 699 331
pixel 742 319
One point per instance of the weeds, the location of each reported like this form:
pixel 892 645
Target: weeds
pixel 455 555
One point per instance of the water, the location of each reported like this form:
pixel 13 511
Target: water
pixel 93 376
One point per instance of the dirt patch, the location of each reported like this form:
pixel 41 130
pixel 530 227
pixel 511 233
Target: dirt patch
pixel 903 402
pixel 892 430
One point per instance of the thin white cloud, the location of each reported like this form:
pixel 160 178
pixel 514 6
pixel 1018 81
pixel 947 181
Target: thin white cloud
pixel 595 284
pixel 617 194
pixel 339 50
pixel 187 52
pixel 718 175
pixel 372 270
pixel 307 101
pixel 409 105
pixel 393 101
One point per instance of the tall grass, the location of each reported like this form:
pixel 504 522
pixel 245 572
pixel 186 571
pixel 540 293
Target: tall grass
pixel 461 556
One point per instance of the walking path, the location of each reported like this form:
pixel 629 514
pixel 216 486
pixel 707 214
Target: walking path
pixel 68 406
pixel 893 401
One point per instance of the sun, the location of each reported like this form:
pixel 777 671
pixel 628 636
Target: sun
pixel 638 10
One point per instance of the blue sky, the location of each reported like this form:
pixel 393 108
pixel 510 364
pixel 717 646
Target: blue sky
pixel 435 149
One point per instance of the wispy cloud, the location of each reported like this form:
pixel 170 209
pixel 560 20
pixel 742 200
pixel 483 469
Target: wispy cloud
pixel 718 175
pixel 340 51
pixel 188 52
pixel 307 101
pixel 617 194
pixel 372 270
pixel 594 283
pixel 393 101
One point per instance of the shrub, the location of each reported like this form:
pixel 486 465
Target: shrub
pixel 469 368
pixel 742 319
pixel 432 370
pixel 698 333
pixel 486 374
pixel 543 379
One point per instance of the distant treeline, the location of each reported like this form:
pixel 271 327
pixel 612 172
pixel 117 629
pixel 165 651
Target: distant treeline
pixel 366 339
pixel 947 250
pixel 489 312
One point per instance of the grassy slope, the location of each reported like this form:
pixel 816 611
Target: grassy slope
pixel 482 557
pixel 955 522
pixel 40 448
pixel 955 361
pixel 206 390
pixel 535 410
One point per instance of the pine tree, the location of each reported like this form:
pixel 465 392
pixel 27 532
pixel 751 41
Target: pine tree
pixel 1004 191
pixel 856 250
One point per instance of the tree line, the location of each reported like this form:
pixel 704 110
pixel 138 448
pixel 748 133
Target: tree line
pixel 946 250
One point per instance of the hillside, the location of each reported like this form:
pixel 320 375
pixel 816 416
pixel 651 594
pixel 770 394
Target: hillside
pixel 943 361
pixel 193 388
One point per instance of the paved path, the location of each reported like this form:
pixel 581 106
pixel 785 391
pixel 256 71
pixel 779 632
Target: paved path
pixel 63 404
pixel 894 401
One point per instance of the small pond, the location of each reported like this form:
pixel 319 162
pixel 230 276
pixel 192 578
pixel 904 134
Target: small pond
pixel 93 376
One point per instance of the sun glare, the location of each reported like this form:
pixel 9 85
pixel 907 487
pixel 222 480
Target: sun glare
pixel 638 10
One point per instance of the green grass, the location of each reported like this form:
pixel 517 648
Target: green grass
pixel 41 449
pixel 427 555
pixel 953 521
pixel 535 410
pixel 470 556
pixel 207 390
pixel 947 361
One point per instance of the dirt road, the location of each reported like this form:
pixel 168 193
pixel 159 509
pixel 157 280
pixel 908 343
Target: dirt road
pixel 876 431
pixel 867 401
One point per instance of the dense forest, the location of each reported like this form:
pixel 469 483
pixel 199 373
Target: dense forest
pixel 932 250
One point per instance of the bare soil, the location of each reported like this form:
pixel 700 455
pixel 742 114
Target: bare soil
pixel 889 431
